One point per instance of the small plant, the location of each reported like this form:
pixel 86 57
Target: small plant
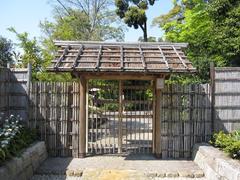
pixel 14 137
pixel 228 142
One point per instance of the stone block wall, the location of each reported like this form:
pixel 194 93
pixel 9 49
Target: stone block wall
pixel 23 167
pixel 215 164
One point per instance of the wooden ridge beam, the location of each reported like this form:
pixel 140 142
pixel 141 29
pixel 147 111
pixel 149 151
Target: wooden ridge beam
pixel 62 56
pixel 149 44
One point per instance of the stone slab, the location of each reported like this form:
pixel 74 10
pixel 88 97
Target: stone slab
pixel 215 163
pixel 142 166
pixel 22 167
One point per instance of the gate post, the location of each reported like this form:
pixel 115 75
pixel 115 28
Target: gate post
pixel 82 123
pixel 159 85
pixel 120 111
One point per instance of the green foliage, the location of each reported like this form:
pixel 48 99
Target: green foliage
pixel 68 27
pixel 229 143
pixel 133 12
pixel 210 27
pixel 84 20
pixel 5 51
pixel 14 137
pixel 31 51
pixel 38 57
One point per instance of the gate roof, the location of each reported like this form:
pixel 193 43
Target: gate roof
pixel 113 57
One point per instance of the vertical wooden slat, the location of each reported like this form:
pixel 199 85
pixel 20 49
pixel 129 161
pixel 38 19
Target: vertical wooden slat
pixel 120 111
pixel 82 125
pixel 213 116
pixel 158 123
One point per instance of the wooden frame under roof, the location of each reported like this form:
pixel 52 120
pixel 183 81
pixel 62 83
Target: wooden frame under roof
pixel 147 58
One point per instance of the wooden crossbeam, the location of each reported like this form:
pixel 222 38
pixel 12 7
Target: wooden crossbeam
pixel 184 64
pixel 99 57
pixel 122 56
pixel 62 56
pixel 77 57
pixel 142 57
pixel 164 57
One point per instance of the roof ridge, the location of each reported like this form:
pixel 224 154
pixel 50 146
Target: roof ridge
pixel 62 43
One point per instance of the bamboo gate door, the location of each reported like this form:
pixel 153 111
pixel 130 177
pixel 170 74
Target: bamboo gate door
pixel 120 116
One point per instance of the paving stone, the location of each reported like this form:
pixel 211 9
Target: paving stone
pixel 78 172
pixel 186 173
pixel 198 174
pixel 172 174
pixel 70 172
pixel 151 174
pixel 161 174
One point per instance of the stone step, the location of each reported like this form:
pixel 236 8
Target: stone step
pixel 64 177
pixel 123 167
pixel 122 174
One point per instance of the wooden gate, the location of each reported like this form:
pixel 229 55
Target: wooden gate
pixel 120 117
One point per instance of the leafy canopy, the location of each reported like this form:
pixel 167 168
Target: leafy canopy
pixel 211 28
pixel 95 19
pixel 133 12
pixel 6 48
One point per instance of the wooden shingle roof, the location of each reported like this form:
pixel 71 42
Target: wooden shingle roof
pixel 120 57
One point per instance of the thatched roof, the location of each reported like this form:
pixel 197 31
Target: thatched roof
pixel 120 57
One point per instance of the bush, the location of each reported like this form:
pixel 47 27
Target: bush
pixel 228 142
pixel 14 137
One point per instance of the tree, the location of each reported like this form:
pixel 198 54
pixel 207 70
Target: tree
pixel 210 27
pixel 5 51
pixel 225 15
pixel 31 51
pixel 39 58
pixel 134 13
pixel 103 24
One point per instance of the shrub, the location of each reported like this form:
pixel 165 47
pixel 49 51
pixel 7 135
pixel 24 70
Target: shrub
pixel 228 142
pixel 14 137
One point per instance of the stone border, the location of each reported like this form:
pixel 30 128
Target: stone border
pixel 23 167
pixel 215 163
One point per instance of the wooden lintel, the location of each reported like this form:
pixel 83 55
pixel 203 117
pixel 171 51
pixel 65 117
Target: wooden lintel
pixel 123 77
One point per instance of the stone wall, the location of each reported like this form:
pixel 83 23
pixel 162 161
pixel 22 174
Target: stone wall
pixel 23 167
pixel 215 163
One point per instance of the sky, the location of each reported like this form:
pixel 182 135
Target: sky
pixel 25 15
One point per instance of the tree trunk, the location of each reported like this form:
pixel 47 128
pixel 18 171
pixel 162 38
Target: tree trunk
pixel 145 38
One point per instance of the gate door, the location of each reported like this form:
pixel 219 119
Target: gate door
pixel 120 117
